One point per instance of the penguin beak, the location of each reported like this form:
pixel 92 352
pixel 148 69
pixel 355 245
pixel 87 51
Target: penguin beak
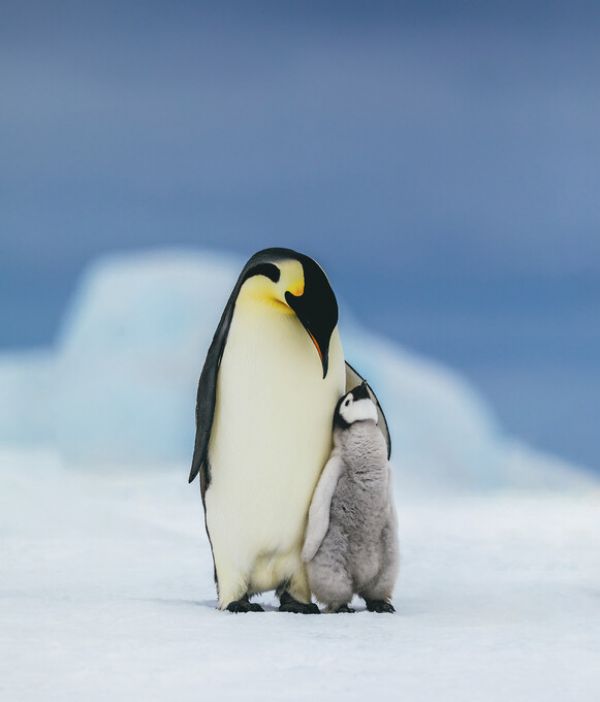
pixel 316 319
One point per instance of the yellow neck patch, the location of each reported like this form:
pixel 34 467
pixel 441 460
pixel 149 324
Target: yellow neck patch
pixel 259 288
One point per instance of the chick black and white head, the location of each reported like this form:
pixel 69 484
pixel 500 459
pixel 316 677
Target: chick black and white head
pixel 355 406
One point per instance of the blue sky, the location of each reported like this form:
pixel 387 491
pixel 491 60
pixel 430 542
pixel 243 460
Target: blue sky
pixel 441 161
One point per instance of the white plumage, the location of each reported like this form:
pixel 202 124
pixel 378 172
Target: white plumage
pixel 271 436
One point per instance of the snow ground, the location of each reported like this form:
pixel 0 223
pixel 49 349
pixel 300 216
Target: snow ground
pixel 106 593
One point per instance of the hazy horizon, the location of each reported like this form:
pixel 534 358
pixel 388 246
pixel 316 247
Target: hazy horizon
pixel 441 163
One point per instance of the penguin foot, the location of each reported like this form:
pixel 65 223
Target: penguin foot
pixel 290 604
pixel 244 605
pixel 380 606
pixel 344 609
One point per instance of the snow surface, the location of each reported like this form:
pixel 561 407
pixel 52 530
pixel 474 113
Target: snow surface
pixel 120 386
pixel 106 593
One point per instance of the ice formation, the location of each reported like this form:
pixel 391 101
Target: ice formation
pixel 119 388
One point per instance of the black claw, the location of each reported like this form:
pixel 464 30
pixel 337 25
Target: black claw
pixel 238 606
pixel 344 609
pixel 381 606
pixel 290 604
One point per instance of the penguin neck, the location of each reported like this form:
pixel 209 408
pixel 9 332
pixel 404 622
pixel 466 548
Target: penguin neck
pixel 268 334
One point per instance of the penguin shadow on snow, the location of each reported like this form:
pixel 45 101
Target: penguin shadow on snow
pixel 356 607
pixel 206 604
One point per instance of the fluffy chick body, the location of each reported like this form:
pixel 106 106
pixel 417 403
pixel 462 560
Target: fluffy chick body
pixel 358 553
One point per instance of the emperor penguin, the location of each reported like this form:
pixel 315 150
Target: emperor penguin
pixel 271 379
pixel 351 544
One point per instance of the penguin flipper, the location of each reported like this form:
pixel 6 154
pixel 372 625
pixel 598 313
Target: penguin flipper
pixel 354 378
pixel 318 515
pixel 206 398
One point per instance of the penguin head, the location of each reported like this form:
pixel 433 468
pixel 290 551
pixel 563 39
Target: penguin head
pixel 294 284
pixel 355 406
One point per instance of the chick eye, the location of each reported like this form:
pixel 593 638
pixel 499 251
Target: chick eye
pixel 347 402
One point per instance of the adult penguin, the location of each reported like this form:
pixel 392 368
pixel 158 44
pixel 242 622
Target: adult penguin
pixel 266 396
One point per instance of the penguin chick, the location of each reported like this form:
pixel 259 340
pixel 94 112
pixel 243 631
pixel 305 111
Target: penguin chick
pixel 351 543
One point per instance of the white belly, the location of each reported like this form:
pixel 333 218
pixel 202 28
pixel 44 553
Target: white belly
pixel 271 437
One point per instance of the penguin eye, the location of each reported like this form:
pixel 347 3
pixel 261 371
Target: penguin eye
pixel 347 402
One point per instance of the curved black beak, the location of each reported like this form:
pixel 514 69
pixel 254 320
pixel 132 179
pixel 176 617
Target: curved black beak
pixel 312 319
pixel 316 309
